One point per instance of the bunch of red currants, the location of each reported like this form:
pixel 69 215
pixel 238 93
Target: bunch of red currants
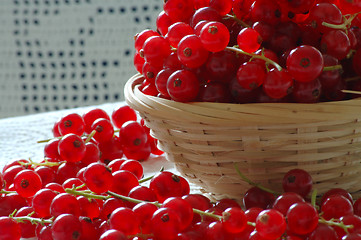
pixel 246 51
pixel 85 189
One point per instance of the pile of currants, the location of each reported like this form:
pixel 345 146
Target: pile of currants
pixel 246 51
pixel 87 189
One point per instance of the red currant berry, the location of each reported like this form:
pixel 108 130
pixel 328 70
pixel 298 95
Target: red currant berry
pixel 98 177
pixel 123 114
pixel 302 218
pixel 71 123
pixel 305 63
pixel 191 51
pixel 297 181
pixel 66 227
pixel 214 36
pixel 183 86
pixel 271 224
pixel 9 229
pixel 71 148
pixel 27 183
pixel 128 227
pixel 249 40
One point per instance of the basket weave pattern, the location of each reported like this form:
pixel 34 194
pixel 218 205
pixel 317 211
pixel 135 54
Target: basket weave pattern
pixel 265 140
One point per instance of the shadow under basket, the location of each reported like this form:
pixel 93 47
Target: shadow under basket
pixel 206 141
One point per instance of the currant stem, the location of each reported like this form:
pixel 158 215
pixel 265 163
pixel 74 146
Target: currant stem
pixel 239 21
pixel 342 26
pixel 253 55
pixel 351 91
pixel 250 182
pixel 332 68
pixel 143 180
pixel 49 139
pixel 3 191
pixel 33 220
pixel 46 163
pixel 90 136
pixel 332 222
pixel 86 194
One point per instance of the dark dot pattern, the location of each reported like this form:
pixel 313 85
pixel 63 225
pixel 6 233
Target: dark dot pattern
pixel 62 54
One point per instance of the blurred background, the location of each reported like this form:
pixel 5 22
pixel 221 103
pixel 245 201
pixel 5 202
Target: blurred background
pixel 60 54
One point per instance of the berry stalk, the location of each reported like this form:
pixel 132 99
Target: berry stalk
pixel 253 55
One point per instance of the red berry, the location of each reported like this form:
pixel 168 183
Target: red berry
pixel 66 227
pixel 27 183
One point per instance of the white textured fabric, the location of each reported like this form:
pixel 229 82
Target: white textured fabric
pixel 58 54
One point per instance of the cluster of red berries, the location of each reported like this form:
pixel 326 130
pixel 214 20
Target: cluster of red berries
pixel 244 51
pixel 109 202
pixel 77 193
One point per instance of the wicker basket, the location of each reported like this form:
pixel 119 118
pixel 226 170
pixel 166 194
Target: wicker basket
pixel 265 140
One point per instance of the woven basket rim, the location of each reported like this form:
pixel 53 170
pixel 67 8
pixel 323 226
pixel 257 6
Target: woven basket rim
pixel 262 113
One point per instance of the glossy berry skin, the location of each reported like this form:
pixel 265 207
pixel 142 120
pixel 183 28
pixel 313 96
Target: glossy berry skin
pixel 278 84
pixel 256 197
pixel 285 201
pixel 179 10
pixel 98 178
pixel 155 49
pixel 113 234
pixel 141 37
pixel 104 130
pixel 41 202
pixel 128 227
pixel 64 203
pixel 298 181
pixel 125 181
pixel 165 224
pixel 71 123
pixel 132 135
pixel 66 227
pixel 166 184
pixel 307 92
pixel 27 183
pixel 183 208
pixel 183 86
pixel 336 206
pixel 134 167
pixel 191 51
pixel 177 31
pixel 249 40
pixel 71 148
pixel 336 43
pixel 270 224
pixel 27 228
pixel 214 36
pixel 305 63
pixel 90 116
pixel 144 212
pixel 9 229
pixel 251 75
pixel 302 218
pixel 234 220
pixel 123 114
pixel 324 12
pixel 336 191
pixel 323 231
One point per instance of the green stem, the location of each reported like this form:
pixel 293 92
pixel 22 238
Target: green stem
pixel 253 55
pixel 351 91
pixel 250 182
pixel 33 220
pixel 239 21
pixel 344 26
pixel 143 180
pixel 332 222
pixel 48 140
pixel 90 136
pixel 332 68
pixel 3 191
pixel 46 163
pixel 86 194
